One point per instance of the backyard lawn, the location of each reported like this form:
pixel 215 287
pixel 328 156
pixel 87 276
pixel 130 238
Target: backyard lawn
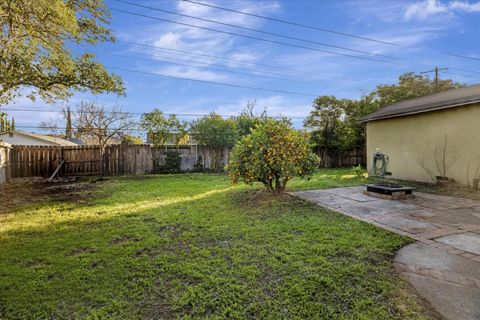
pixel 193 246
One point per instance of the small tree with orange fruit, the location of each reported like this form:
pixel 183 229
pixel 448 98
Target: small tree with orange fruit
pixel 272 154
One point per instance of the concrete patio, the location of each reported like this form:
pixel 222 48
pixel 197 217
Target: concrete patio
pixel 444 265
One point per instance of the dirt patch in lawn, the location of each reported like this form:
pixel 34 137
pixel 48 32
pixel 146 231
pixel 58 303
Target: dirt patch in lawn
pixel 123 239
pixel 22 192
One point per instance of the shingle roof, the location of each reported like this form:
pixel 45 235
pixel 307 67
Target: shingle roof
pixel 442 100
pixel 56 140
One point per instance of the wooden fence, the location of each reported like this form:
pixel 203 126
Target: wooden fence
pixel 42 161
pixel 33 161
pixel 342 159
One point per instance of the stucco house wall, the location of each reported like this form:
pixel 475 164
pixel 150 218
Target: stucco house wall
pixel 409 140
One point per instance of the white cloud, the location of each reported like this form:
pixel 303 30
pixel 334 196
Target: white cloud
pixel 428 8
pixel 465 6
pixel 169 40
pixel 201 41
pixel 193 73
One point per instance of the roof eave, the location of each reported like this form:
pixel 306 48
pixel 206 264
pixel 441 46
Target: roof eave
pixel 367 118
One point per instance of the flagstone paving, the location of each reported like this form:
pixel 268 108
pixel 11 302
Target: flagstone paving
pixel 444 265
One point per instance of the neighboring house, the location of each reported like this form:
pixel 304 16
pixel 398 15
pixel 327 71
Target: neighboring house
pixel 33 139
pixel 426 136
pixel 171 140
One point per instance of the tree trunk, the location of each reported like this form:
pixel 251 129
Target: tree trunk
pixel 279 187
pixel 102 153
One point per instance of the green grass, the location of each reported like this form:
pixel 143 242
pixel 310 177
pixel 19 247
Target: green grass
pixel 329 178
pixel 192 246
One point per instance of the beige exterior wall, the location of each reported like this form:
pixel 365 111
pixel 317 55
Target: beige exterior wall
pixel 410 140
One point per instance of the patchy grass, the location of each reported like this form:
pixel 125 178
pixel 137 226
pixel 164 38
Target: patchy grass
pixel 329 178
pixel 192 246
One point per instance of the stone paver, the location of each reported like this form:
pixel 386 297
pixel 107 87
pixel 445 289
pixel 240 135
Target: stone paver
pixel 444 265
pixel 469 242
pixel 449 282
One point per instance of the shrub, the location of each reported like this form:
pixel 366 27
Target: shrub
pixel 272 154
pixel 358 171
pixel 198 166
pixel 173 162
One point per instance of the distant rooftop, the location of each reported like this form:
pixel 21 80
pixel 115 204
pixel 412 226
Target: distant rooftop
pixel 42 137
pixel 437 101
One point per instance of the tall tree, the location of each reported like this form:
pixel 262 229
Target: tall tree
pixel 410 85
pixel 326 120
pixel 217 133
pixel 68 129
pixel 160 128
pixel 249 118
pixel 335 123
pixel 3 116
pixel 35 48
pixel 102 125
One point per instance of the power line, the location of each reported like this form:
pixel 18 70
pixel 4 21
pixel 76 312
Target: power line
pixel 162 60
pixel 313 27
pixel 214 57
pixel 60 128
pixel 464 70
pixel 292 23
pixel 256 30
pixel 164 49
pixel 436 70
pixel 253 37
pixel 26 109
pixel 462 75
pixel 462 56
pixel 217 83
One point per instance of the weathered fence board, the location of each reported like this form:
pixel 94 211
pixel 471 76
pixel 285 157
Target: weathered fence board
pixel 31 161
pixel 342 159
pixel 5 162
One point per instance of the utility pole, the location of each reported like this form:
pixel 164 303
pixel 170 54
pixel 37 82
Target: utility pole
pixel 436 70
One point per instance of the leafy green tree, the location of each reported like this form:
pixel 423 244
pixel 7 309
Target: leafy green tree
pixel 35 48
pixel 5 124
pixel 217 133
pixel 160 128
pixel 326 120
pixel 335 123
pixel 410 85
pixel 273 154
pixel 3 117
pixel 249 119
pixel 131 139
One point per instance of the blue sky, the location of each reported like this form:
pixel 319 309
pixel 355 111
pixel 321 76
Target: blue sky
pixel 424 33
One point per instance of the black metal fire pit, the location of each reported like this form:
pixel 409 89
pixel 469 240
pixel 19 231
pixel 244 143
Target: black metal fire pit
pixel 389 191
